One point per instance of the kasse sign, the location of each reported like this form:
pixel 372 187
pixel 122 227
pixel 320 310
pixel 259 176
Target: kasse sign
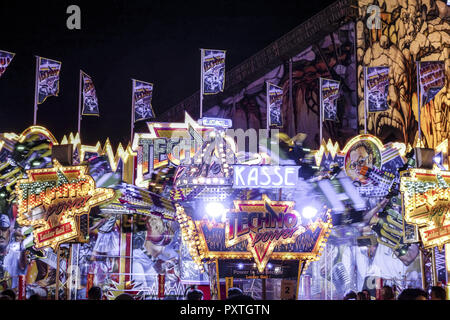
pixel 248 176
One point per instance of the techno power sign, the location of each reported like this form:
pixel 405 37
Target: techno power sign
pixel 426 195
pixel 247 176
pixel 265 224
pixel 51 199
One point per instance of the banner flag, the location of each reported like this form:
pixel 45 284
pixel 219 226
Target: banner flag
pixel 5 60
pixel 47 78
pixel 213 71
pixel 142 100
pixel 377 86
pixel 432 79
pixel 329 91
pixel 90 102
pixel 274 102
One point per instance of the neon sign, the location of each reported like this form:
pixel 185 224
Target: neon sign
pixel 265 176
pixel 426 195
pixel 264 224
pixel 51 199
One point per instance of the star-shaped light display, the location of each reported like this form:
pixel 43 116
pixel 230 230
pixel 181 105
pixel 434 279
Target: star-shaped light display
pixel 51 199
pixel 265 224
pixel 426 196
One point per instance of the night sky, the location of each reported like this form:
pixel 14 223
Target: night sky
pixel 153 41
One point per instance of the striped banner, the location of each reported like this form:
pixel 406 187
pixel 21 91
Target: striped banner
pixel 377 86
pixel 213 71
pixel 329 93
pixel 5 59
pixel 90 101
pixel 274 96
pixel 432 79
pixel 47 78
pixel 142 100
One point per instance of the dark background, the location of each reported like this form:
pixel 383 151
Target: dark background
pixel 153 41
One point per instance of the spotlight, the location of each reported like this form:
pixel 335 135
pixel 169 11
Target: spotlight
pixel 215 209
pixel 309 212
pixel 240 266
pixel 437 159
pixel 269 266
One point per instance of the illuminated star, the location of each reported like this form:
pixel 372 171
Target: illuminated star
pixel 262 250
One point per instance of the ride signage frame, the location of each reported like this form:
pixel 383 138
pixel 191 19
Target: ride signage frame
pixel 426 203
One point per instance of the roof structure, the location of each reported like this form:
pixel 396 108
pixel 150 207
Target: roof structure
pixel 275 54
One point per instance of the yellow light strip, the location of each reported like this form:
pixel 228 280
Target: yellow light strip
pixel 126 155
pixel 37 130
pixel 326 149
pixel 193 236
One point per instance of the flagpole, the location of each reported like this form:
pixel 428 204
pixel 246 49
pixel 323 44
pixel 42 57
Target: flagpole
pixel 365 100
pixel 79 104
pixel 201 84
pixel 419 100
pixel 291 107
pixel 132 109
pixel 36 91
pixel 320 111
pixel 268 109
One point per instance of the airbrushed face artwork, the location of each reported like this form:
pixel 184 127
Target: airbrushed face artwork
pixel 362 154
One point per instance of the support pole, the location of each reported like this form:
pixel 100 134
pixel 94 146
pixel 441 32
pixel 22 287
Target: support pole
pixel 264 289
pixel 365 100
pixel 422 268
pixel 201 84
pixel 419 101
pixel 320 112
pixel 434 278
pixel 291 105
pixel 74 272
pixel 267 109
pixel 331 279
pixel 132 110
pixel 326 272
pixel 36 81
pixel 79 103
pixel 447 269
pixel 58 252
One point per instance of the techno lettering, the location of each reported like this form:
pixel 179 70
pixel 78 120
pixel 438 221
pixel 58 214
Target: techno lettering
pixel 264 224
